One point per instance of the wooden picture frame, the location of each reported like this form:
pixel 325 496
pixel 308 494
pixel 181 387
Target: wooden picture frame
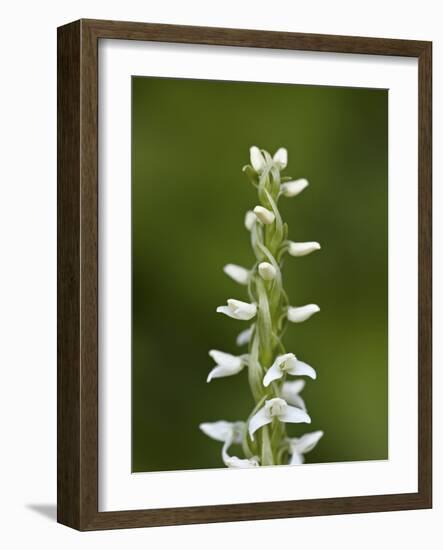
pixel 78 273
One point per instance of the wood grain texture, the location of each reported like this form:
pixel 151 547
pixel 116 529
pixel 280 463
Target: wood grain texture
pixel 77 174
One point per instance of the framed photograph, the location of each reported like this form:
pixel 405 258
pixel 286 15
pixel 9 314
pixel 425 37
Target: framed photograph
pixel 244 275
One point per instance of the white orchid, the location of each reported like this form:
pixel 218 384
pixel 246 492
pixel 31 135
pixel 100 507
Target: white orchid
pixel 244 337
pixel 299 446
pixel 229 433
pixel 237 273
pixel 277 397
pixel 236 309
pixel 290 392
pixel 294 187
pixel 276 408
pixel 302 249
pixel 264 215
pixel 267 271
pixel 302 313
pixel 287 364
pixel 227 364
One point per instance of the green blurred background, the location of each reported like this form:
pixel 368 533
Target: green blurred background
pixel 190 139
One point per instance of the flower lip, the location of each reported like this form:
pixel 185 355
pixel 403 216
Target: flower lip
pixel 294 187
pixel 303 249
pixel 302 313
pixel 237 273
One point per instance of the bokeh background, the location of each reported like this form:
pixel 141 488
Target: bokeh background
pixel 190 141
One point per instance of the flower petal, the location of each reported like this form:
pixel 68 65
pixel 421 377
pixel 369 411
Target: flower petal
pixel 260 419
pixel 264 215
pixel 250 219
pixel 273 373
pixel 221 371
pixel 257 159
pixel 296 459
pixel 293 388
pixel 238 310
pixel 303 249
pixel 302 313
pixel 237 273
pixel 294 415
pixel 306 442
pixel 226 359
pixel 300 368
pixel 267 271
pixel 244 337
pixel 281 158
pixel 294 187
pixel 220 430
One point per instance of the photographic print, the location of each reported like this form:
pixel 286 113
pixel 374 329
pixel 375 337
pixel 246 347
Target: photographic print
pixel 259 274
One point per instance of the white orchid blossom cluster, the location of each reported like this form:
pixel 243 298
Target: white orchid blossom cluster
pixel 274 374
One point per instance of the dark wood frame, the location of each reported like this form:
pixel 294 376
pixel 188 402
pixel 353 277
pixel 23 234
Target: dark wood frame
pixel 77 455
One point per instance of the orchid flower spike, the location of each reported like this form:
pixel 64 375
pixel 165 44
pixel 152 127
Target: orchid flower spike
pixel 299 446
pixel 264 215
pixel 229 433
pixel 227 364
pixel 302 249
pixel 250 219
pixel 267 271
pixel 290 392
pixel 302 313
pixel 237 273
pixel 244 337
pixel 289 364
pixel 276 408
pixel 257 159
pixel 281 158
pixel 236 309
pixel 294 187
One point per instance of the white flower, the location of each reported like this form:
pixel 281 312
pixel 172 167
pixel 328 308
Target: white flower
pixel 237 273
pixel 290 393
pixel 294 187
pixel 250 219
pixel 238 310
pixel 287 363
pixel 281 158
pixel 276 408
pixel 302 313
pixel 227 364
pixel 264 215
pixel 257 159
pixel 229 433
pixel 267 271
pixel 244 337
pixel 303 249
pixel 298 446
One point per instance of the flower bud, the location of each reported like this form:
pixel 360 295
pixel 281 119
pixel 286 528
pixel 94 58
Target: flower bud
pixel 303 249
pixel 257 159
pixel 293 188
pixel 300 314
pixel 267 271
pixel 264 215
pixel 281 158
pixel 250 219
pixel 237 273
